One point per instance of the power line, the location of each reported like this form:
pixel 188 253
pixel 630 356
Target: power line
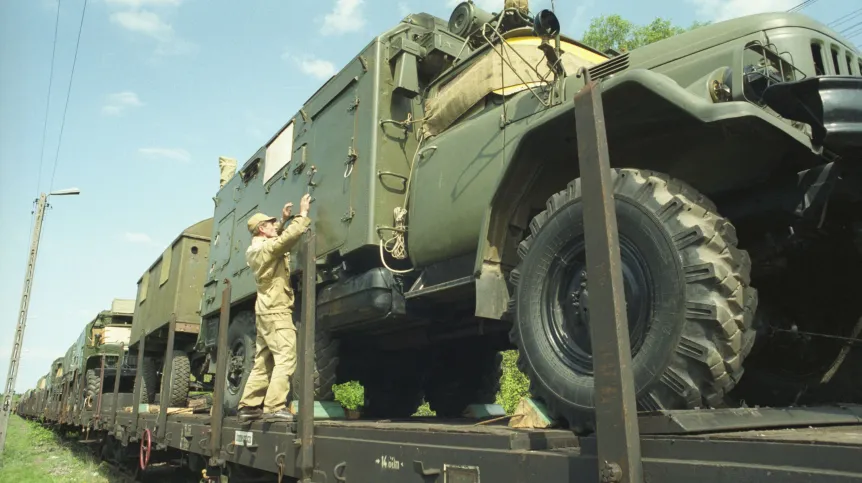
pixel 68 92
pixel 48 98
pixel 845 18
pixel 806 3
pixel 851 27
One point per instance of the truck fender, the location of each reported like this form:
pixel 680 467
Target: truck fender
pixel 652 123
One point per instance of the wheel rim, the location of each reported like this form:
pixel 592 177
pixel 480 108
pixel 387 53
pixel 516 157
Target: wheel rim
pixel 236 364
pixel 146 445
pixel 565 302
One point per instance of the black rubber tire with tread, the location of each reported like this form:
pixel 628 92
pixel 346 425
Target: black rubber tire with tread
pixel 692 354
pixel 326 360
pixel 149 381
pixel 179 384
pixel 241 329
pixel 94 382
pixel 463 374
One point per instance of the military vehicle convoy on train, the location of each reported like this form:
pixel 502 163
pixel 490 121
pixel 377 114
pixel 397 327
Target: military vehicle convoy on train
pixel 448 217
pixel 447 212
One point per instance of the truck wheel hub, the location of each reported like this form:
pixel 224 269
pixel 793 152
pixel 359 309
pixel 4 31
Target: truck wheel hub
pixel 568 308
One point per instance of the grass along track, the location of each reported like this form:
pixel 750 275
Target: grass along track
pixel 36 454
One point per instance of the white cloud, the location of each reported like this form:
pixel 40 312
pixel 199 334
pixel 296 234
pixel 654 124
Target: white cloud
pixel 118 102
pixel 308 64
pixel 346 16
pixel 319 68
pixel 719 10
pixel 175 154
pixel 134 18
pixel 144 22
pixel 141 238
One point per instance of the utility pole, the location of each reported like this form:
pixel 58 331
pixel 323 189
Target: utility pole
pixel 6 409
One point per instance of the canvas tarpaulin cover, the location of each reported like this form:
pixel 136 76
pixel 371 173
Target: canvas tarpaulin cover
pixel 491 74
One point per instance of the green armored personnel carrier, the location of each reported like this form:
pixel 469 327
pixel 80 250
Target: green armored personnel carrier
pixel 170 290
pixel 443 164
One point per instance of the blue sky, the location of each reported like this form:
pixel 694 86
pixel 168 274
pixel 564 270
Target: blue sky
pixel 161 89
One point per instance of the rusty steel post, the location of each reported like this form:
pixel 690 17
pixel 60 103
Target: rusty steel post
pixel 120 360
pixel 98 416
pixel 217 417
pixel 618 439
pixel 136 393
pixel 306 395
pixel 167 372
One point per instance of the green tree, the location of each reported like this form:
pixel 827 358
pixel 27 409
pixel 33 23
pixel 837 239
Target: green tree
pixel 614 32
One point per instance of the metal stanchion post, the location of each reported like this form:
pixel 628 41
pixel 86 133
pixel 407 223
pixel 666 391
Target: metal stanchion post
pixel 217 418
pixel 618 439
pixel 306 396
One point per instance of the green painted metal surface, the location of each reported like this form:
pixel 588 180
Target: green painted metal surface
pixel 172 285
pixel 322 409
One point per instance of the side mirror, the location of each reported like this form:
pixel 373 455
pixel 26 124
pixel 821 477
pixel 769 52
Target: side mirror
pixel 546 24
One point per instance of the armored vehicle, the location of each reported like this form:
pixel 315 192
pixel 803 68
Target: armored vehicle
pixel 443 164
pixel 170 290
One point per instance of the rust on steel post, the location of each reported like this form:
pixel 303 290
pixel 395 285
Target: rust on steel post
pixel 136 394
pixel 306 395
pixel 120 360
pixel 98 416
pixel 217 417
pixel 618 438
pixel 166 390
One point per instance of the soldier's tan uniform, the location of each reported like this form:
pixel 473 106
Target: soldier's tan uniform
pixel 275 357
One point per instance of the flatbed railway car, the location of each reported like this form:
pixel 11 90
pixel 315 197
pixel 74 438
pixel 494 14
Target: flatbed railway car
pixel 613 441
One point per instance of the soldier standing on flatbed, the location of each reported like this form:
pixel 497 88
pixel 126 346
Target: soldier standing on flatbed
pixel 275 356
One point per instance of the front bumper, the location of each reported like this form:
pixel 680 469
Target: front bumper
pixel 830 104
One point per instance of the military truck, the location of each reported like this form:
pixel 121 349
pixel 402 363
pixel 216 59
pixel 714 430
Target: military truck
pixel 107 334
pixel 170 291
pixel 443 164
pixel 54 387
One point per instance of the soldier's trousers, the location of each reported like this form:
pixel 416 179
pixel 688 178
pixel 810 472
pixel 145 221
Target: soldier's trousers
pixel 274 363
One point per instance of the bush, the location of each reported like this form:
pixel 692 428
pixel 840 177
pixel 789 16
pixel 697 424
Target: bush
pixel 351 394
pixel 513 385
pixel 424 411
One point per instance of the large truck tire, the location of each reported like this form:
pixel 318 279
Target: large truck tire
pixel 241 343
pixel 326 350
pixel 149 381
pixel 179 384
pixel 689 307
pixel 94 386
pixel 463 374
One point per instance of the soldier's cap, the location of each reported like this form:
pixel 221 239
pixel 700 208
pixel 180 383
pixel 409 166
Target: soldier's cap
pixel 257 218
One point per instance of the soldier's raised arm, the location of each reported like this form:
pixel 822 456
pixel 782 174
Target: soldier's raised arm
pixel 291 232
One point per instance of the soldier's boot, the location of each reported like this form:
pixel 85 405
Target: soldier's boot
pixel 248 413
pixel 281 415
